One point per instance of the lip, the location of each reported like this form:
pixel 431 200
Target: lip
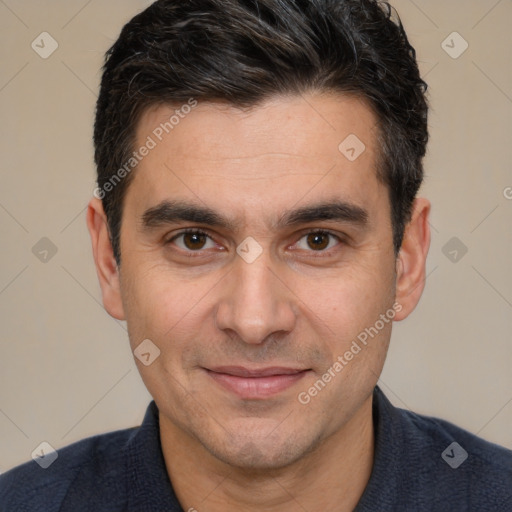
pixel 253 384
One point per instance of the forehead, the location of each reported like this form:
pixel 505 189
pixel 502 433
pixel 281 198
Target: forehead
pixel 305 125
pixel 276 153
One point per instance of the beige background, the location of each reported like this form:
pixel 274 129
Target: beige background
pixel 66 371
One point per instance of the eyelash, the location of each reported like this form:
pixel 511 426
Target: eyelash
pixel 191 253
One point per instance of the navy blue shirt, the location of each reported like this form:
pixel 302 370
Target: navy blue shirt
pixel 421 464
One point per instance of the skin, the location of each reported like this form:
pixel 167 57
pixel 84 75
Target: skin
pixel 296 305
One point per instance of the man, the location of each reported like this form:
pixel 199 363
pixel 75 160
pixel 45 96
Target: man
pixel 257 226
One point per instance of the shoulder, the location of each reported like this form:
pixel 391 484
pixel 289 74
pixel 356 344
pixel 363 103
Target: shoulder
pixel 458 463
pixel 426 463
pixel 438 433
pixel 95 459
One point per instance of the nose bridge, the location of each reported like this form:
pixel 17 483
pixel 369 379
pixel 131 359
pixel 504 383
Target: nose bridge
pixel 255 303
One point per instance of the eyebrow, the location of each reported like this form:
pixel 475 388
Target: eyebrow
pixel 169 212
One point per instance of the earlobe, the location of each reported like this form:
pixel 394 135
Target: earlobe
pixel 411 261
pixel 106 267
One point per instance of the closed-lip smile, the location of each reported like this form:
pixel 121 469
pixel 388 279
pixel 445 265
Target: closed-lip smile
pixel 255 383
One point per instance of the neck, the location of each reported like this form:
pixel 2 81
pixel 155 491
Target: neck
pixel 331 477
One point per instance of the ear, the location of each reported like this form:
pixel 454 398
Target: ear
pixel 411 260
pixel 106 266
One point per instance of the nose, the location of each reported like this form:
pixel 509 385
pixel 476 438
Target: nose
pixel 256 302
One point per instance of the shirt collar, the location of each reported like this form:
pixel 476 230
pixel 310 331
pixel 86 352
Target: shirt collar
pixel 388 456
pixel 149 488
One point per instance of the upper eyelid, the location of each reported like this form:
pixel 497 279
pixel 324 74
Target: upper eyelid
pixel 192 231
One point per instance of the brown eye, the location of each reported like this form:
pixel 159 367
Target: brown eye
pixel 194 241
pixel 318 241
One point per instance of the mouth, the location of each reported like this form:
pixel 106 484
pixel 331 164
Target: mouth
pixel 254 384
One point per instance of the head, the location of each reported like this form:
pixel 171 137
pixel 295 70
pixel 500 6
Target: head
pixel 291 135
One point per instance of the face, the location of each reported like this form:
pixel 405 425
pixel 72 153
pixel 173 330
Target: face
pixel 255 253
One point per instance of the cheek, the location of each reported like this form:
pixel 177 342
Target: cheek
pixel 162 306
pixel 359 314
pixel 350 300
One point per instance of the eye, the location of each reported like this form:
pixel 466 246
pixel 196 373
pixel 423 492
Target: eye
pixel 318 241
pixel 192 240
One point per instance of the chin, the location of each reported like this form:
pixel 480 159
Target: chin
pixel 253 457
pixel 260 452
